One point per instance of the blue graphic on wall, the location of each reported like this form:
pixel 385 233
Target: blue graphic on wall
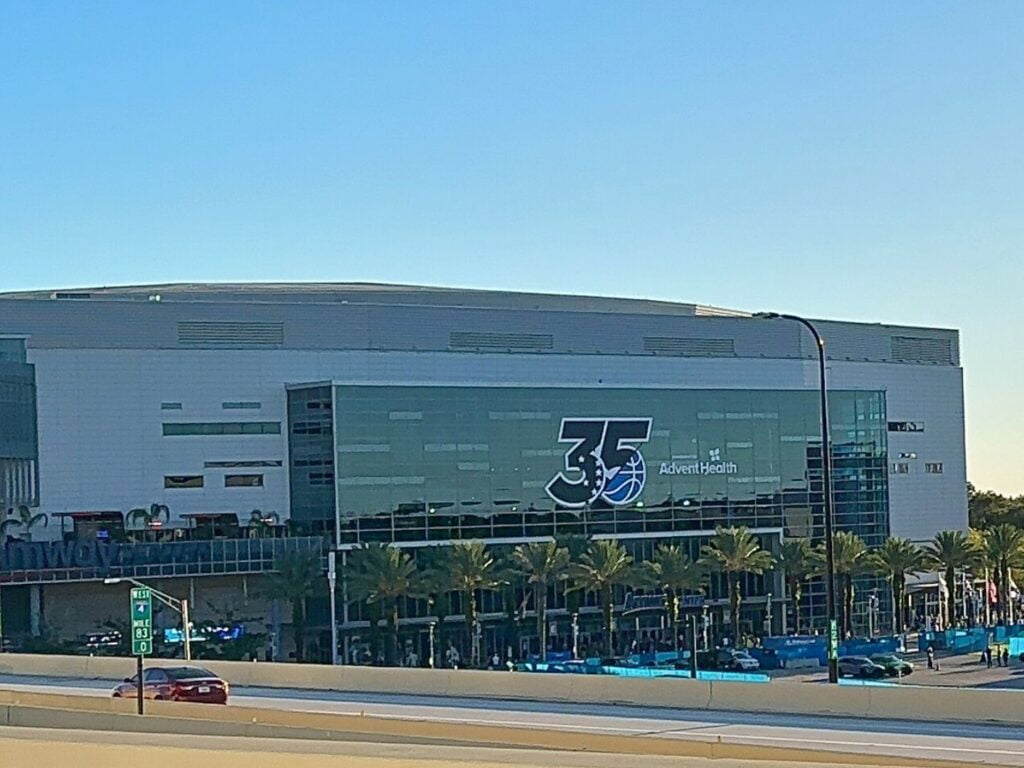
pixel 604 461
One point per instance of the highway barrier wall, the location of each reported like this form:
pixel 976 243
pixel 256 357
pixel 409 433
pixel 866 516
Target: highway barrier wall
pixel 897 701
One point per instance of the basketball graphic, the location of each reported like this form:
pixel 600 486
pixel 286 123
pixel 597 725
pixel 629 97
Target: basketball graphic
pixel 627 482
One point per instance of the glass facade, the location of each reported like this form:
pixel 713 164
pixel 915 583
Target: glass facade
pixel 422 465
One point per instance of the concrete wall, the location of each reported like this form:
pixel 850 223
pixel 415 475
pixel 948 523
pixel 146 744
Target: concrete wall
pixel 903 702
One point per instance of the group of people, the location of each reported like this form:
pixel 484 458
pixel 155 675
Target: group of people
pixel 1002 657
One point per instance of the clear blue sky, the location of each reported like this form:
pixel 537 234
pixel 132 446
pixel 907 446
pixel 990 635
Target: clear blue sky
pixel 859 160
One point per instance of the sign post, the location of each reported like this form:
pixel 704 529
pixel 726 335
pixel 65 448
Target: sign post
pixel 142 633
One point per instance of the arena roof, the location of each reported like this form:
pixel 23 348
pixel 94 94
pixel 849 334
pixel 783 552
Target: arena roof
pixel 372 293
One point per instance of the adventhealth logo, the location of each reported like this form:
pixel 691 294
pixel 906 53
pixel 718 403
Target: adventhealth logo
pixel 713 466
pixel 603 462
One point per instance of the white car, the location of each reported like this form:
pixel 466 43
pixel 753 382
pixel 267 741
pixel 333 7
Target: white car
pixel 738 660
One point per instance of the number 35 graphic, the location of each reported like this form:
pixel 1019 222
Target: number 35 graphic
pixel 601 448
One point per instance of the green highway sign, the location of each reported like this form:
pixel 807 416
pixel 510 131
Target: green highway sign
pixel 142 621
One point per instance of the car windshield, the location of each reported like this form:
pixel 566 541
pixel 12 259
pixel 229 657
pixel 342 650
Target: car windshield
pixel 188 673
pixel 885 657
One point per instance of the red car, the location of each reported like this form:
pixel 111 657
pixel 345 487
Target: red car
pixel 176 684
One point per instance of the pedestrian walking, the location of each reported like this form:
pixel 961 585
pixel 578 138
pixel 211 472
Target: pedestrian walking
pixel 988 656
pixel 931 657
pixel 1006 656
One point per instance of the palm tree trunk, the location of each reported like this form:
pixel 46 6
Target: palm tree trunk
pixel 950 597
pixel 469 609
pixel 894 595
pixel 899 601
pixel 392 633
pixel 794 596
pixel 540 601
pixel 673 608
pixel 606 606
pixel 848 600
pixel 373 615
pixel 299 628
pixel 734 606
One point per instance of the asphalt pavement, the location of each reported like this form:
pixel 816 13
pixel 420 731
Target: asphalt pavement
pixel 981 742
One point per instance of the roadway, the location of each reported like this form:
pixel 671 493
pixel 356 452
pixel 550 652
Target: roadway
pixel 981 742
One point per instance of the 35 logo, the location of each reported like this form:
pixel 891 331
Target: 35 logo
pixel 603 461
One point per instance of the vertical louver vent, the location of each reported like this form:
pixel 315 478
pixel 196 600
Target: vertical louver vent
pixel 915 349
pixel 226 333
pixel 684 347
pixel 488 340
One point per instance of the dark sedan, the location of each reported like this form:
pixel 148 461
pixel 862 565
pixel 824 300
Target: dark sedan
pixel 860 666
pixel 193 684
pixel 894 665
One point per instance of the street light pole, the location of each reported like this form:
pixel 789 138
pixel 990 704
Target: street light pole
pixel 826 474
pixel 332 581
pixel 179 605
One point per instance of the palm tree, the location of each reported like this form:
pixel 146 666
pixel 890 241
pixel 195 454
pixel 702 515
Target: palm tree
pixel 951 551
pixel 577 544
pixel 604 565
pixel 894 560
pixel 735 551
pixel 383 575
pixel 800 561
pixel 149 517
pixel 261 524
pixel 978 542
pixel 297 576
pixel 23 518
pixel 1004 548
pixel 849 558
pixel 472 568
pixel 675 573
pixel 541 563
pixel 435 586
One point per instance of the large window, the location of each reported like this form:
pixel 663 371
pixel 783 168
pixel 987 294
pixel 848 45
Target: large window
pixel 437 463
pixel 243 481
pixel 183 481
pixel 174 429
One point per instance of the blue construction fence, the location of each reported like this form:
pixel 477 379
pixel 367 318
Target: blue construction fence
pixel 780 652
pixel 773 653
pixel 974 639
pixel 595 667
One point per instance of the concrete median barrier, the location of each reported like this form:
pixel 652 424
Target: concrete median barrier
pixel 902 702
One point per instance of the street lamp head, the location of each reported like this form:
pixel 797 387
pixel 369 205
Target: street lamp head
pixel 112 581
pixel 767 315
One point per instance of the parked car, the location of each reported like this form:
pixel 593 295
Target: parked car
pixel 860 666
pixel 894 665
pixel 193 684
pixel 740 661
